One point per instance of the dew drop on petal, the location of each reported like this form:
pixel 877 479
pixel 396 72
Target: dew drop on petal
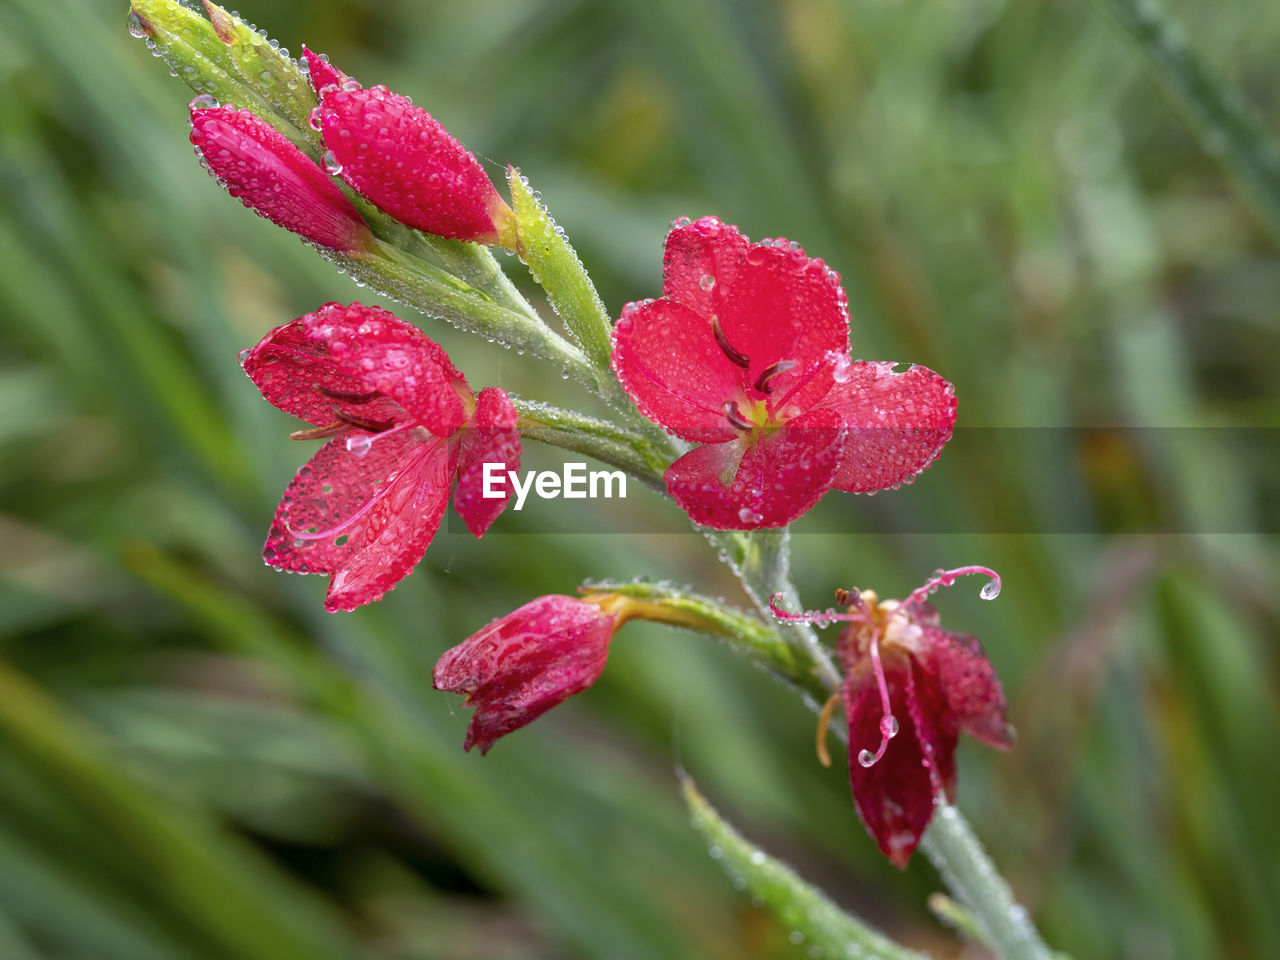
pixel 313 119
pixel 206 101
pixel 331 164
pixel 358 445
pixel 888 726
pixel 244 355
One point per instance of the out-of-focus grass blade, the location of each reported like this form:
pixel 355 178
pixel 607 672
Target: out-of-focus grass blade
pixel 800 907
pixel 1219 117
pixel 180 867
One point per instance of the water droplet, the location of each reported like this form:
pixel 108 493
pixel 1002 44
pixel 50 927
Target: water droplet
pixel 331 164
pixel 707 281
pixel 136 27
pixel 313 119
pixel 747 515
pixel 888 726
pixel 244 355
pixel 358 445
pixel 206 101
pixel 866 758
pixel 990 590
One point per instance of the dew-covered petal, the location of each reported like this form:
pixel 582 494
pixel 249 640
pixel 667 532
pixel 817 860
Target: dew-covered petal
pixel 895 795
pixel 321 72
pixel 364 515
pixel 782 306
pixel 668 361
pixel 394 358
pixel 520 666
pixel 898 423
pixel 968 681
pixel 404 160
pixel 700 263
pixel 293 372
pixel 768 482
pixel 273 178
pixel 490 437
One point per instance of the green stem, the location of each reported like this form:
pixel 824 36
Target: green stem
pixel 1220 119
pixel 604 441
pixel 968 872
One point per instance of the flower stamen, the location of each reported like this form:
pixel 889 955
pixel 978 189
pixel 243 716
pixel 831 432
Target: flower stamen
pixel 733 413
pixel 363 423
pixel 319 433
pixel 735 356
pixel 762 383
pixel 824 724
pixel 347 396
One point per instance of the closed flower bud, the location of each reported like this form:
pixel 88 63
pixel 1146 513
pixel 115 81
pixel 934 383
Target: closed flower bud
pixel 404 161
pixel 269 175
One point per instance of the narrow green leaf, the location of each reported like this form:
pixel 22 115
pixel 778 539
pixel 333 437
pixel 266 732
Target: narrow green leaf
pixel 803 909
pixel 555 265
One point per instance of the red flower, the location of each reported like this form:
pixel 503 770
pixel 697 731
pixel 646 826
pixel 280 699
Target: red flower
pixel 403 160
pixel 520 666
pixel 404 425
pixel 747 354
pixel 273 178
pixel 910 687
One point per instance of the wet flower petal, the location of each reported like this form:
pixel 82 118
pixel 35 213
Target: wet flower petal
pixel 364 515
pixel 898 423
pixel 520 666
pixel 395 358
pixel 490 437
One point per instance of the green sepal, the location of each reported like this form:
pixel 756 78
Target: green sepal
pixel 800 907
pixel 230 72
pixel 556 267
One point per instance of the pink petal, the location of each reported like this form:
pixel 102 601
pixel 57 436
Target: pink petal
pixel 522 665
pixel 322 72
pixel 273 178
pixel 783 306
pixel 404 161
pixel 898 423
pixel 700 263
pixel 291 370
pixel 768 482
pixel 894 796
pixel 394 358
pixel 490 437
pixel 667 359
pixel 969 684
pixel 366 519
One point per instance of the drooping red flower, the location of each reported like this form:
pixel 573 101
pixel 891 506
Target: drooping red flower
pixel 747 355
pixel 404 161
pixel 273 178
pixel 521 665
pixel 404 426
pixel 911 687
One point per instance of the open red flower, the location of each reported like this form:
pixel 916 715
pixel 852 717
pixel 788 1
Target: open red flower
pixel 521 665
pixel 273 178
pixel 403 427
pixel 405 161
pixel 747 354
pixel 910 687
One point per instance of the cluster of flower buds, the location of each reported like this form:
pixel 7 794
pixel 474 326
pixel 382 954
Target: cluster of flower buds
pixel 389 151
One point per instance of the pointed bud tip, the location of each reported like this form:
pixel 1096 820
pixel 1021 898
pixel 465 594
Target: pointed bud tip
pixel 224 24
pixel 321 71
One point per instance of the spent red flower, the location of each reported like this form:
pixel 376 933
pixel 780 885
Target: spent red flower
pixel 402 426
pixel 273 178
pixel 910 688
pixel 404 161
pixel 747 355
pixel 521 665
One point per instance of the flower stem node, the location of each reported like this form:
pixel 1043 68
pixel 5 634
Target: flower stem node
pixel 910 687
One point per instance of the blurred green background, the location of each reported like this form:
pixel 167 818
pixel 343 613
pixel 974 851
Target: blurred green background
pixel 197 762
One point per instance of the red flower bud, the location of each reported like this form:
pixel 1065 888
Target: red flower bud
pixel 403 160
pixel 521 665
pixel 274 179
